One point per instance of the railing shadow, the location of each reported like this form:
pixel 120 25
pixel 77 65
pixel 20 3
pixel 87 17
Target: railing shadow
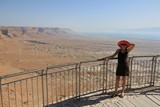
pixel 99 98
pixel 86 101
pixel 148 90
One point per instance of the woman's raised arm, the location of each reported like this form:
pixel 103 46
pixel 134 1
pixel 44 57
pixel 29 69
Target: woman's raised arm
pixel 112 56
pixel 130 48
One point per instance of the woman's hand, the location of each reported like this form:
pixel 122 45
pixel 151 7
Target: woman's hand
pixel 131 47
pixel 101 59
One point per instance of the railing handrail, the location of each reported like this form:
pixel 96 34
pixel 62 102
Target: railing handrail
pixel 21 73
pixel 143 56
pixel 86 61
pixel 64 65
pixel 75 75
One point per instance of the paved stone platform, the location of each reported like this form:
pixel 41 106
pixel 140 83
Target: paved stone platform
pixel 142 97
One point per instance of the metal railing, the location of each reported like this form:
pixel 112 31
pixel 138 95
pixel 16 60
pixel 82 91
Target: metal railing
pixel 22 89
pixel 58 83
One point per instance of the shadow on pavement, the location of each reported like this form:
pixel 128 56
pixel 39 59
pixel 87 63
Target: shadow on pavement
pixel 96 99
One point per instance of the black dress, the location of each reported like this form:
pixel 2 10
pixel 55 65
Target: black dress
pixel 123 66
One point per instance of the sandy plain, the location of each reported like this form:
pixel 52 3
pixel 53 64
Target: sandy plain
pixel 39 50
pixel 21 54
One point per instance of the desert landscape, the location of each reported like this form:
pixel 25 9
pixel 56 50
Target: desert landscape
pixel 49 51
pixel 27 48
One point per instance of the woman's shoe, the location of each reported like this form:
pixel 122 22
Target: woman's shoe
pixel 114 95
pixel 122 95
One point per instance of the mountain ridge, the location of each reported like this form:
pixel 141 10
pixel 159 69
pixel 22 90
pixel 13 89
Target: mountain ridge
pixel 13 31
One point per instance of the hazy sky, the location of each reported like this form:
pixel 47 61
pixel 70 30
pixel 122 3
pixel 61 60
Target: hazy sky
pixel 81 15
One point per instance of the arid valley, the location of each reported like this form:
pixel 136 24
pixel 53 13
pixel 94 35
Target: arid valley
pixel 27 48
pixel 55 53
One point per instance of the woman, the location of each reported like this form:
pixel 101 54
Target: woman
pixel 123 67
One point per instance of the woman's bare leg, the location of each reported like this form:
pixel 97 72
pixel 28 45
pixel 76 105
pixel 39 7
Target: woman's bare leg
pixel 116 86
pixel 117 83
pixel 124 78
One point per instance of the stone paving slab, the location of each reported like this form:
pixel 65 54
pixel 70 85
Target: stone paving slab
pixel 143 97
pixel 141 101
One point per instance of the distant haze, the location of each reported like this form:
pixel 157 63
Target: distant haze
pixel 145 33
pixel 142 33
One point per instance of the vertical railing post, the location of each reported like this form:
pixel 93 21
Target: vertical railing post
pixel 152 71
pixel 1 92
pixel 46 73
pixel 77 80
pixel 79 67
pixel 106 64
pixel 42 74
pixel 128 76
pixel 131 72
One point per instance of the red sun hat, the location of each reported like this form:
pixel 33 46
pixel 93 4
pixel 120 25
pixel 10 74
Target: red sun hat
pixel 124 42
